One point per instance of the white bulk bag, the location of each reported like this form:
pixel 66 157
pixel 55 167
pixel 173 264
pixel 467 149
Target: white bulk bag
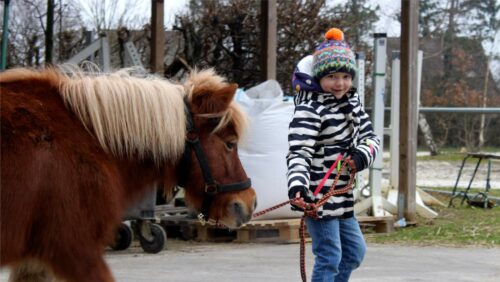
pixel 264 147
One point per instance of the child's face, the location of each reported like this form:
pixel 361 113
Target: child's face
pixel 336 83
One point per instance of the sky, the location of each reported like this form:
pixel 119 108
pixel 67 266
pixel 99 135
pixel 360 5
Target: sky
pixel 172 7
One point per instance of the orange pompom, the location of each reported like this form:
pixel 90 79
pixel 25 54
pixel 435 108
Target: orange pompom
pixel 334 34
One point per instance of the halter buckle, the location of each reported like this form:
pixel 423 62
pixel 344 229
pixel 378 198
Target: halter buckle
pixel 211 188
pixel 201 219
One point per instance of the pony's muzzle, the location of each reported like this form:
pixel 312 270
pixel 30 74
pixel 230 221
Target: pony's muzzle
pixel 242 213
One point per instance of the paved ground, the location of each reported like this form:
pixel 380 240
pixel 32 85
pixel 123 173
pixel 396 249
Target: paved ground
pixel 224 262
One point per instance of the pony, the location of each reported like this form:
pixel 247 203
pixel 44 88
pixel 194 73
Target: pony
pixel 78 148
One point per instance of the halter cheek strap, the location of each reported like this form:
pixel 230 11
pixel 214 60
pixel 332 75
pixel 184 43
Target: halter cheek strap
pixel 212 187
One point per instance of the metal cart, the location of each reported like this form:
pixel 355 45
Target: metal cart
pixel 481 199
pixel 140 218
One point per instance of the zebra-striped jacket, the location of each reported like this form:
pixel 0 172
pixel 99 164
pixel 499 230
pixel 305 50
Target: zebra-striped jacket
pixel 323 128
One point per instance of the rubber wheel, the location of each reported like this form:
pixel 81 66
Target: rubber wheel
pixel 123 238
pixel 158 242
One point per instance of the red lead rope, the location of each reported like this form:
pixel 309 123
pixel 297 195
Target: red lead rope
pixel 311 210
pixel 323 181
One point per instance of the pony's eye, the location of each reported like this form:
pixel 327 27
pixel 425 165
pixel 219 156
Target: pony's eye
pixel 230 144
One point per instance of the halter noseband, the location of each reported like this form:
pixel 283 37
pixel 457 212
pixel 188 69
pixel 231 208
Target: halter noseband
pixel 212 187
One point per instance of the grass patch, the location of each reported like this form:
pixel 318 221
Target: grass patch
pixel 459 227
pixel 472 191
pixel 454 154
pixel 449 157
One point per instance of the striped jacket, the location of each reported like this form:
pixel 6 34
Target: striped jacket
pixel 322 128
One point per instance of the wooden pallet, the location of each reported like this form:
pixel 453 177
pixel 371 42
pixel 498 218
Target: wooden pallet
pixel 379 224
pixel 170 210
pixel 272 231
pixel 275 231
pixel 191 229
pixel 258 231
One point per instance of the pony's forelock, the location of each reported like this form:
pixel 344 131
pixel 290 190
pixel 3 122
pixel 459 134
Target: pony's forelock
pixel 234 116
pixel 208 79
pixel 203 79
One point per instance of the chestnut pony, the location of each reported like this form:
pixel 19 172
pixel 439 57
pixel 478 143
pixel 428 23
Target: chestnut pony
pixel 78 148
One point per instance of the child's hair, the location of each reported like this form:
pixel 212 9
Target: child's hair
pixel 333 55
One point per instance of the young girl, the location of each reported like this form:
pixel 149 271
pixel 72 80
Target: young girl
pixel 329 124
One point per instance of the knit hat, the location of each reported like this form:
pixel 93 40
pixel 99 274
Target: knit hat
pixel 333 55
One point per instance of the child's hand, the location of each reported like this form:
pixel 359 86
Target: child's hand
pixel 297 190
pixel 352 165
pixel 298 202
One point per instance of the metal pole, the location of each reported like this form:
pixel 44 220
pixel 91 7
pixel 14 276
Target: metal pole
pixel 5 34
pixel 378 121
pixel 104 54
pixel 466 196
pixel 394 141
pixel 420 58
pixel 359 80
pixel 462 110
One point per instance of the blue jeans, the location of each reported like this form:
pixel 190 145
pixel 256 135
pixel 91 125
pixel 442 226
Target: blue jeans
pixel 339 248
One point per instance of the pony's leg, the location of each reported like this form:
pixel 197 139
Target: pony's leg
pixel 83 268
pixel 31 271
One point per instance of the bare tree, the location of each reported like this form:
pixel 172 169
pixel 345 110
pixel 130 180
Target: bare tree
pixel 28 30
pixel 111 14
pixel 225 34
pixel 26 26
pixel 485 19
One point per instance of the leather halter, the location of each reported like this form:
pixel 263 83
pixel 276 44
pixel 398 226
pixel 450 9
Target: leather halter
pixel 212 187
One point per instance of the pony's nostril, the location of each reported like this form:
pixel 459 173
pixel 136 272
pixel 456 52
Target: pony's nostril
pixel 240 213
pixel 238 208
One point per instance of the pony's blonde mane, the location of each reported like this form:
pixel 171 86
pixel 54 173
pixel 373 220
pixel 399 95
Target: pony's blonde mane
pixel 130 115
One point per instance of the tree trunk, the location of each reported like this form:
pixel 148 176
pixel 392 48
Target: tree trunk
pixel 485 99
pixel 426 130
pixel 49 33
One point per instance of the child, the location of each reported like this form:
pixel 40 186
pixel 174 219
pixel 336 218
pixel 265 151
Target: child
pixel 329 122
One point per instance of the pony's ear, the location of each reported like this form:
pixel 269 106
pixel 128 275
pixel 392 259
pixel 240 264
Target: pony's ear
pixel 214 101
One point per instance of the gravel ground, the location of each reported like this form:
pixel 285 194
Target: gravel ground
pixel 444 174
pixel 435 173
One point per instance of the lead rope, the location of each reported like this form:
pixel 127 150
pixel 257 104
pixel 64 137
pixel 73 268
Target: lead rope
pixel 311 210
